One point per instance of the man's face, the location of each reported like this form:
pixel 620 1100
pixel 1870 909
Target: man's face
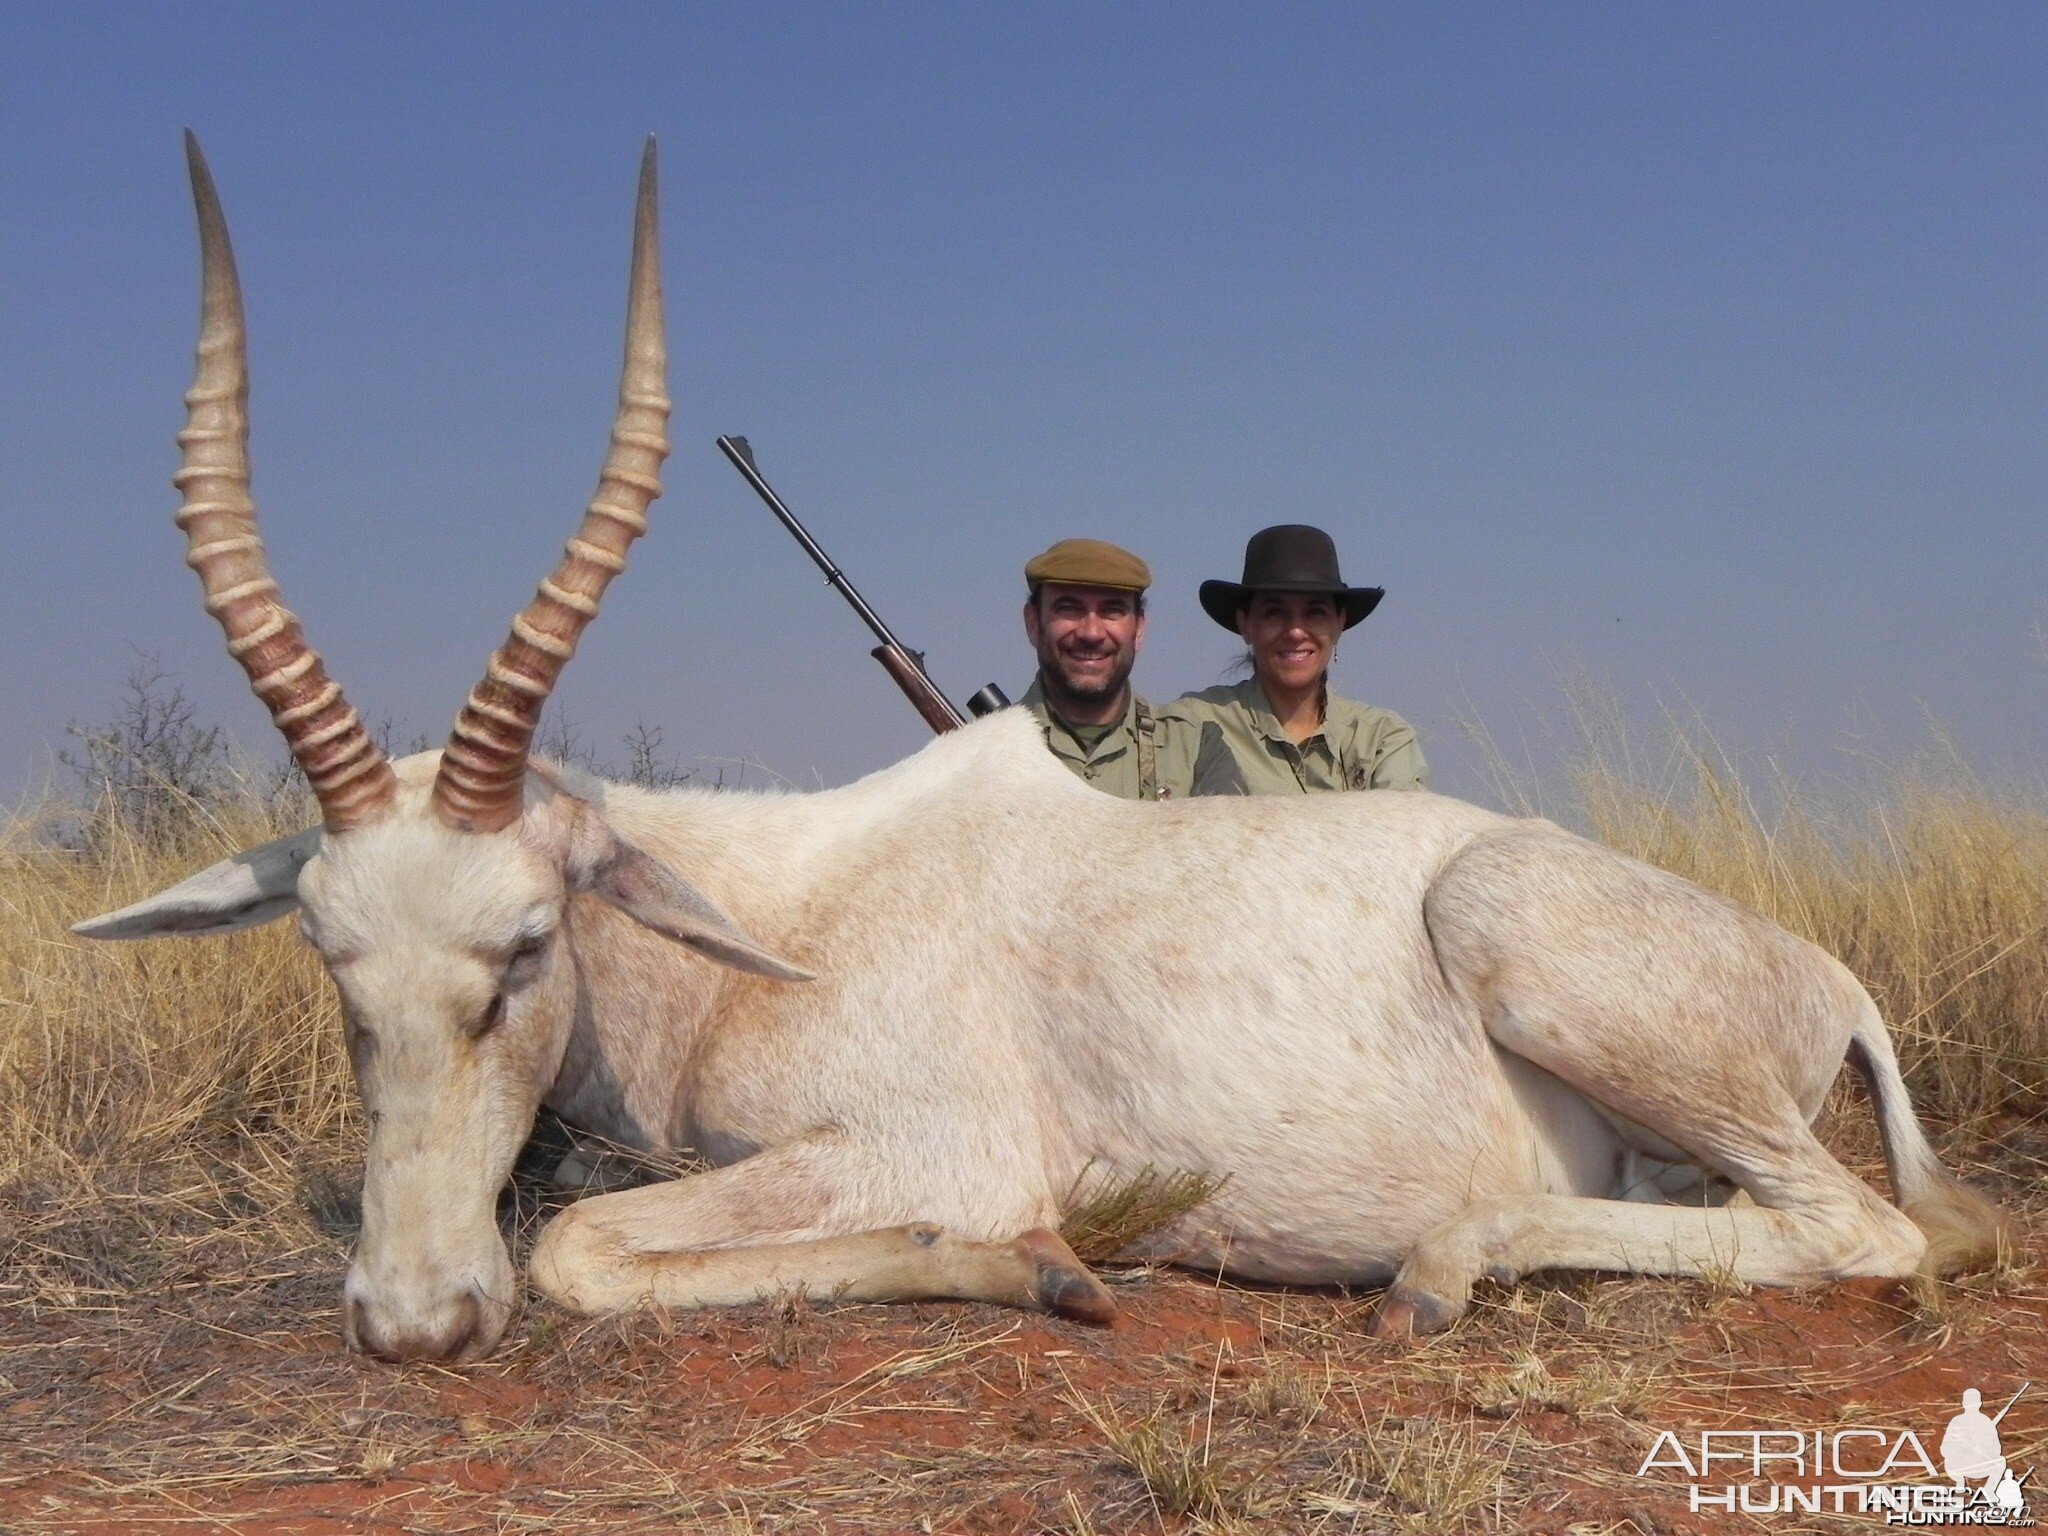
pixel 1087 638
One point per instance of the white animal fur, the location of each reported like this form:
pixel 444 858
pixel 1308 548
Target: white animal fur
pixel 1426 1043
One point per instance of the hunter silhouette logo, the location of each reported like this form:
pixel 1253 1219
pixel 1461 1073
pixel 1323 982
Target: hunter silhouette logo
pixel 1971 1453
pixel 1874 1471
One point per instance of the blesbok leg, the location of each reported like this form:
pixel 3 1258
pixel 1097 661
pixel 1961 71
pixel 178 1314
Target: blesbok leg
pixel 1830 1233
pixel 789 1219
pixel 1709 1035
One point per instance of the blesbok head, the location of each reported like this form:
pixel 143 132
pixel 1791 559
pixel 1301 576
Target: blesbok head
pixel 434 889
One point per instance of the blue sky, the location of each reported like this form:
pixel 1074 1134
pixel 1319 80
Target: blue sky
pixel 1700 350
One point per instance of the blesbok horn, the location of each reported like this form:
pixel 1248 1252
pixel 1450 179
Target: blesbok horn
pixel 483 768
pixel 347 772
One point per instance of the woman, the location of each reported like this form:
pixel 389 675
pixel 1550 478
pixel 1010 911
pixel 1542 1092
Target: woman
pixel 1287 732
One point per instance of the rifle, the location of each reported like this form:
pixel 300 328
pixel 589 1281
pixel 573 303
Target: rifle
pixel 2008 1407
pixel 904 666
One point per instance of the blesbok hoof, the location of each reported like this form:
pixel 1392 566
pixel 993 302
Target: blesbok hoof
pixel 1063 1284
pixel 1406 1314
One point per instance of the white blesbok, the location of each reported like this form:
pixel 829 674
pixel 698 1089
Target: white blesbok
pixel 1426 1043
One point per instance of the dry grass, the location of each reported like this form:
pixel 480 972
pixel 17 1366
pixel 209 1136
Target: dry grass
pixel 1108 1217
pixel 1625 1385
pixel 1177 1464
pixel 1430 1476
pixel 129 1054
pixel 174 1110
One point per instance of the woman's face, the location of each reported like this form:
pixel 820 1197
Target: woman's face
pixel 1292 636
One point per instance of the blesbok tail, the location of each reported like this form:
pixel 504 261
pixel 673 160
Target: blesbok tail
pixel 1964 1229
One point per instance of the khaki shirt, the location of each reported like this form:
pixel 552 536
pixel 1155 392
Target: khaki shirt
pixel 1186 758
pixel 1358 746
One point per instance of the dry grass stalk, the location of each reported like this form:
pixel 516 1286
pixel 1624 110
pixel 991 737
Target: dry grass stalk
pixel 1176 1464
pixel 1624 1385
pixel 1287 1389
pixel 1440 1475
pixel 1107 1217
pixel 853 1395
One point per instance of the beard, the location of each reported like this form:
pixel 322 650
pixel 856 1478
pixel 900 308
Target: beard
pixel 1086 687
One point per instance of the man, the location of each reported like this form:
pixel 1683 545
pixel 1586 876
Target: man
pixel 1085 617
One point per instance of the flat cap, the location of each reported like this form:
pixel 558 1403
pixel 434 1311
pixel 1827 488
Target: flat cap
pixel 1089 563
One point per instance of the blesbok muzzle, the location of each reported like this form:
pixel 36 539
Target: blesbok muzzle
pixel 431 1279
pixel 446 1324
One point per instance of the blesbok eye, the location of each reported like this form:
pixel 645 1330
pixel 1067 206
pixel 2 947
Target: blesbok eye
pixel 523 962
pixel 356 1039
pixel 491 1017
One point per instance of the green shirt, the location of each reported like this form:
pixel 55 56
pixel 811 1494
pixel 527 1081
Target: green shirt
pixel 1358 746
pixel 1186 758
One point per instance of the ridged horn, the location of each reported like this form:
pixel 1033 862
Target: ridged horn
pixel 483 768
pixel 348 774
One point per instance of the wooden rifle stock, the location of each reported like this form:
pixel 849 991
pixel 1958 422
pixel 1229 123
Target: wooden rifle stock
pixel 924 698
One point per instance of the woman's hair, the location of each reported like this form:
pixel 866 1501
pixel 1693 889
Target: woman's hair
pixel 1243 664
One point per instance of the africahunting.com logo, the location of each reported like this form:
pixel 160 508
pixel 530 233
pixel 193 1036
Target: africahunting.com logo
pixel 1872 1471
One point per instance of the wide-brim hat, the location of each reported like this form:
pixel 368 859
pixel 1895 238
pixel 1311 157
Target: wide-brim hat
pixel 1292 557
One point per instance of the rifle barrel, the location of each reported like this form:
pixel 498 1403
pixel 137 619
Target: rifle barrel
pixel 741 455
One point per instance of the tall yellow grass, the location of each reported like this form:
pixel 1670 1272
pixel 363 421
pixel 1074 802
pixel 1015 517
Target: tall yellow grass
pixel 1933 889
pixel 128 1056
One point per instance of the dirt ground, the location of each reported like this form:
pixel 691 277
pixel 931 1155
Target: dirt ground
pixel 197 1383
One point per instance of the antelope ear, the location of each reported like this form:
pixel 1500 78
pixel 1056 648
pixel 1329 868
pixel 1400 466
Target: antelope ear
pixel 245 890
pixel 656 897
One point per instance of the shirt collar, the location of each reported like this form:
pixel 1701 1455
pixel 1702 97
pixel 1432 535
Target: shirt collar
pixel 1253 698
pixel 1034 699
